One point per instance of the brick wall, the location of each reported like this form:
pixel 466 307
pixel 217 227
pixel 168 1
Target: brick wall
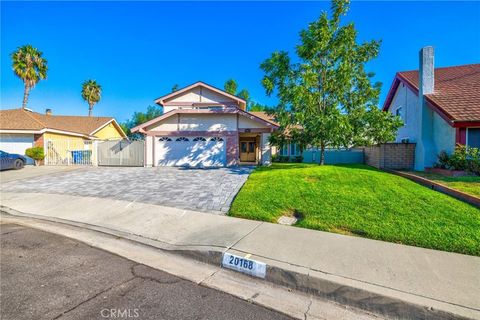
pixel 391 156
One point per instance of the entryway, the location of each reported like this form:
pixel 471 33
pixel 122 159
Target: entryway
pixel 249 149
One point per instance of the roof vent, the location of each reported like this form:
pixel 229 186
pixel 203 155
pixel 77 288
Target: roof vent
pixel 48 111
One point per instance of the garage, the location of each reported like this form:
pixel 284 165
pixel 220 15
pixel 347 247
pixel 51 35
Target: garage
pixel 15 143
pixel 190 151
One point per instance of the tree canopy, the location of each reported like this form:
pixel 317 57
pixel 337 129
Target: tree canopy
pixel 29 65
pixel 139 117
pixel 91 93
pixel 326 98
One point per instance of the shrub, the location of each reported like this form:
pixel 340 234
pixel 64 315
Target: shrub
pixel 443 160
pixel 297 159
pixel 36 153
pixel 463 158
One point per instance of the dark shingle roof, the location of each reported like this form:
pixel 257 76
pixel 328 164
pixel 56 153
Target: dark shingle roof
pixel 457 90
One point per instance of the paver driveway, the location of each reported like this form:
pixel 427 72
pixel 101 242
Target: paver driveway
pixel 208 190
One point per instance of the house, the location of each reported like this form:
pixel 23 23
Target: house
pixel 205 126
pixel 22 128
pixel 440 107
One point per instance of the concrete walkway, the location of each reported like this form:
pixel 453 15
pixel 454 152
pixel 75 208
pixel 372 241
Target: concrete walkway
pixel 389 279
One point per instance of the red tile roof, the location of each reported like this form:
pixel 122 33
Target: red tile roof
pixel 457 91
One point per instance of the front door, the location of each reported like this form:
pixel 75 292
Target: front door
pixel 248 151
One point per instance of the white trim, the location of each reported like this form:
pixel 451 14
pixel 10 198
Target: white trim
pixel 20 131
pixel 69 133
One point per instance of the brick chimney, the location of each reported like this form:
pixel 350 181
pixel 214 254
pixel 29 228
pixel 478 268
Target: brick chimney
pixel 426 72
pixel 48 111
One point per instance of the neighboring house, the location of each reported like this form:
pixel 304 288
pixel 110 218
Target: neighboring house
pixel 440 107
pixel 22 128
pixel 205 126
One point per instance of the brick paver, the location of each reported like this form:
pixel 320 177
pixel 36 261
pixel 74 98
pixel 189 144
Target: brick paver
pixel 208 190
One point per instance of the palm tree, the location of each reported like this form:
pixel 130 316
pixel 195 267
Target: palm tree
pixel 91 91
pixel 29 65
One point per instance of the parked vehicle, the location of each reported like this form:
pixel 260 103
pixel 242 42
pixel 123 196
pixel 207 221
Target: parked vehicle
pixel 11 161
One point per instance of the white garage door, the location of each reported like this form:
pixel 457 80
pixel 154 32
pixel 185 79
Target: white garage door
pixel 15 143
pixel 190 151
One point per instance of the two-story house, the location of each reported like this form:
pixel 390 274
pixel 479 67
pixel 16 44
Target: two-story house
pixel 203 126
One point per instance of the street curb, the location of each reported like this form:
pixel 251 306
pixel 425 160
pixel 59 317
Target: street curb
pixel 344 291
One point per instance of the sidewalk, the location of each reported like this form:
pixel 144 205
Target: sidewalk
pixel 385 278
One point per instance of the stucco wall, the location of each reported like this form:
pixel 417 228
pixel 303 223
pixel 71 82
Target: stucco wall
pixel 408 100
pixel 244 123
pixel 199 95
pixel 444 135
pixel 201 122
pixel 149 151
pixel 108 132
pixel 266 151
pixel 168 124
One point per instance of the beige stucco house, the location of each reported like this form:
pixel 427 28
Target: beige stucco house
pixel 203 126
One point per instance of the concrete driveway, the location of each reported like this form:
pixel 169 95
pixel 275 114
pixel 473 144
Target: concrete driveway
pixel 207 190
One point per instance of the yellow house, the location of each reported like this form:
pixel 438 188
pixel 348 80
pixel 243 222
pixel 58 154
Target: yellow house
pixel 22 128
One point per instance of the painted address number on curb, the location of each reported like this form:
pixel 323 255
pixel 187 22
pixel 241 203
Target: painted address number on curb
pixel 244 265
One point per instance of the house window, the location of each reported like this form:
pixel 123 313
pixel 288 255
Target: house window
pixel 294 149
pixel 182 139
pixel 216 139
pixel 164 139
pixel 399 112
pixel 473 137
pixel 199 139
pixel 284 150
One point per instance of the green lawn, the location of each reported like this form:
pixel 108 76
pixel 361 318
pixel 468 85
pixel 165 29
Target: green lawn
pixel 360 200
pixel 470 185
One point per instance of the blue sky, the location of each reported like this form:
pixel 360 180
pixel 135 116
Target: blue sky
pixel 138 51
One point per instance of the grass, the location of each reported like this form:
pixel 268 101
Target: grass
pixel 469 184
pixel 360 200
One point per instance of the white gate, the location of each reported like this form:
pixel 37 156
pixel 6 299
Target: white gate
pixel 68 152
pixel 125 153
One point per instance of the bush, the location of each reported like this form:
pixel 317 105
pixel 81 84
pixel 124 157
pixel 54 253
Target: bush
pixel 285 159
pixel 36 153
pixel 463 158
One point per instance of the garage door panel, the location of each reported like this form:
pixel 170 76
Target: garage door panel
pixel 191 153
pixel 16 143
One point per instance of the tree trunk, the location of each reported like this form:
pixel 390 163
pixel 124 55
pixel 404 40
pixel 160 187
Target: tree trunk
pixel 90 107
pixel 322 154
pixel 26 91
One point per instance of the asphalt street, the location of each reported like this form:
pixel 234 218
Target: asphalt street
pixel 47 276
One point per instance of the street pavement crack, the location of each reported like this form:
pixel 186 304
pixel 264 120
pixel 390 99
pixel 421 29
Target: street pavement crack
pixel 93 297
pixel 305 315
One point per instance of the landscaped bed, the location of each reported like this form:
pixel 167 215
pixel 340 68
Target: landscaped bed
pixel 467 184
pixel 360 200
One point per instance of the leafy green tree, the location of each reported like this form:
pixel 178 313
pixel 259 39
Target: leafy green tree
pixel 29 65
pixel 244 94
pixel 141 117
pixel 327 98
pixel 91 92
pixel 255 106
pixel 230 86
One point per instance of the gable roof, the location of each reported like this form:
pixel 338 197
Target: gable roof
pixel 20 119
pixel 255 116
pixel 457 91
pixel 162 99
